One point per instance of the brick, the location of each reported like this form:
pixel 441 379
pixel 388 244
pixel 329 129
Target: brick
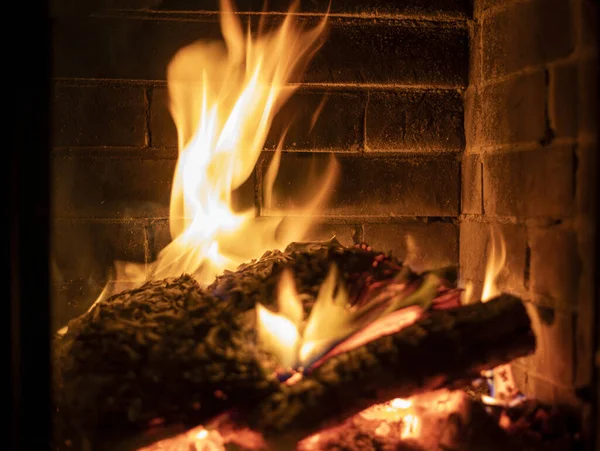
pixel 507 112
pixel 372 186
pixel 374 51
pixel 532 386
pixel 475 250
pixel 73 299
pixel 415 120
pixel 472 185
pixel 339 126
pixel 83 253
pixel 554 357
pixel 81 244
pixel 562 100
pixel 159 237
pixel 475 76
pixel 484 5
pixel 555 266
pixel 243 198
pixel 424 245
pixel 435 8
pixel 588 32
pixel 587 112
pixel 543 390
pixel 99 116
pixel 163 133
pixel 347 234
pixel 526 34
pixel 529 183
pixel 388 52
pixel 111 187
pixel 122 48
pixel 586 306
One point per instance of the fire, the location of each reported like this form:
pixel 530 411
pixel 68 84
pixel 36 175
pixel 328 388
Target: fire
pixel 400 403
pixel 223 97
pixel 495 264
pixel 333 326
pixel 502 384
pixel 284 333
pixel 223 100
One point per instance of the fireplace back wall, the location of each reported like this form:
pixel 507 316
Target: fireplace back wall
pixel 402 89
pixel 392 80
pixel 530 170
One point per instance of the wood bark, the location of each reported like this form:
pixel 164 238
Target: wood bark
pixel 173 352
pixel 447 348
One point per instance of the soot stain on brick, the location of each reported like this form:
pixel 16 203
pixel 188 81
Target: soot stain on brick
pixel 358 234
pixel 546 314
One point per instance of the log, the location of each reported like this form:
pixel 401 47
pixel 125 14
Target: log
pixel 173 352
pixel 445 349
pixel 162 351
pixel 165 352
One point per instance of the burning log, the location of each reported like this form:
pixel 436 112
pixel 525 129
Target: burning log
pixel 172 352
pixel 447 348
pixel 165 352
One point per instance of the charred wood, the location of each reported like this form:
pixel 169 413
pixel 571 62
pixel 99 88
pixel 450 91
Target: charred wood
pixel 447 348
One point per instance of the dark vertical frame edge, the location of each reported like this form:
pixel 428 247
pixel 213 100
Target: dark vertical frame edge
pixel 29 67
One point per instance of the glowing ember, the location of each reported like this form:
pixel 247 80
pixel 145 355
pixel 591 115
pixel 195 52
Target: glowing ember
pixel 400 403
pixel 410 426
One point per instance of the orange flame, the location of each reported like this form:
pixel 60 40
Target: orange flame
pixel 495 264
pixel 284 333
pixel 279 332
pixel 223 97
pixel 223 100
pixel 504 385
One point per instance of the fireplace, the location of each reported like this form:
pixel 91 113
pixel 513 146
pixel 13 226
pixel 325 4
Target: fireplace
pixel 449 121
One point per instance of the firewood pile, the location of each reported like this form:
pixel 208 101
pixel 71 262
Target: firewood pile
pixel 173 353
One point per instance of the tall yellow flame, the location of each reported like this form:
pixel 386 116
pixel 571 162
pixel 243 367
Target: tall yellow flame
pixel 223 99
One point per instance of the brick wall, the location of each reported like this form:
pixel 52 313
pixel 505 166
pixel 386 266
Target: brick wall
pixel 530 169
pixel 393 75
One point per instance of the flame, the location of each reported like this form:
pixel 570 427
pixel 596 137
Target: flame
pixel 495 264
pixel 223 97
pixel 279 332
pixel 333 326
pixel 503 386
